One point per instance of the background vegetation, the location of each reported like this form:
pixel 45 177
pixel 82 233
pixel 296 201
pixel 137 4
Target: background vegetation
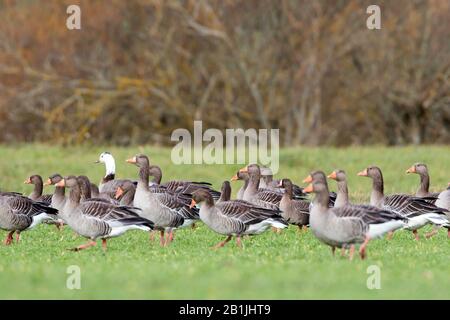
pixel 139 69
pixel 290 265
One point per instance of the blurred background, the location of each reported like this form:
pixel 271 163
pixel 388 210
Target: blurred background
pixel 139 69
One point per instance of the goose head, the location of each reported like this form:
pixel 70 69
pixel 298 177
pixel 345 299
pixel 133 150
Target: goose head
pixel 252 170
pixel 371 172
pixel 53 179
pixel 285 183
pixel 139 160
pixel 125 187
pixel 338 175
pixel 201 195
pixel 240 176
pixel 317 182
pixel 418 168
pixel 108 160
pixel 34 179
pixel 69 182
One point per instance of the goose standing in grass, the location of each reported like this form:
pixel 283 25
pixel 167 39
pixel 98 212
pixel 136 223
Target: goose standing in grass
pixel 166 210
pixel 418 211
pixel 108 185
pixel 19 213
pixel 244 177
pixel 37 195
pixel 235 217
pixel 95 219
pixel 293 211
pixel 58 197
pixel 261 197
pixel 344 227
pixel 424 189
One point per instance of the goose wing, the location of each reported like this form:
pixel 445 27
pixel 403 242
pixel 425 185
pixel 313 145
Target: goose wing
pixel 45 198
pixel 246 212
pixel 188 187
pixel 172 202
pixel 410 206
pixel 22 205
pixel 113 214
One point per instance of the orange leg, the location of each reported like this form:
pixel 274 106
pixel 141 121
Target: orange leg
pixel 448 233
pixel 342 251
pixel 162 241
pixel 351 252
pixel 222 243
pixel 84 246
pixel 238 241
pixel 104 244
pixel 9 238
pixel 362 249
pixel 416 235
pixel 17 236
pixel 390 234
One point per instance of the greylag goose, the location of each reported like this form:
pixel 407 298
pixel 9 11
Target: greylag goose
pixel 234 217
pixel 95 219
pixel 181 187
pixel 261 197
pixel 108 185
pixel 37 195
pixel 345 226
pixel 58 197
pixel 166 210
pixel 293 211
pixel 424 189
pixel 418 211
pixel 19 213
pixel 241 176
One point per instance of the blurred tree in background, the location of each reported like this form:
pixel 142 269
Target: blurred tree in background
pixel 139 69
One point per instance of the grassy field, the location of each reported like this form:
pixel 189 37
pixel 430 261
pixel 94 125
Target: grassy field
pixel 290 265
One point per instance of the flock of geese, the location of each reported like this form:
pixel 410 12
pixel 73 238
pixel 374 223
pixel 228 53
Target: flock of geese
pixel 118 205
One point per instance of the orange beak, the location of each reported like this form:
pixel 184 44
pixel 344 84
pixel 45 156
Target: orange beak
pixel 62 183
pixel 308 179
pixel 411 170
pixel 119 193
pixel 280 184
pixel 234 178
pixel 48 182
pixel 363 173
pixel 131 160
pixel 193 203
pixel 244 169
pixel 28 181
pixel 309 188
pixel 332 175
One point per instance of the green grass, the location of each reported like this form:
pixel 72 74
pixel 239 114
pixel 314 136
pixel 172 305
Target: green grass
pixel 289 265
